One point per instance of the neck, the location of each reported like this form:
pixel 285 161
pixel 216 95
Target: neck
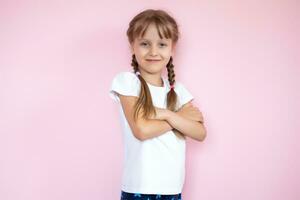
pixel 153 79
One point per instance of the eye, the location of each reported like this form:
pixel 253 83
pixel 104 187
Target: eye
pixel 163 44
pixel 143 44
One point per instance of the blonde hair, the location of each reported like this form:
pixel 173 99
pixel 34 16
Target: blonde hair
pixel 167 27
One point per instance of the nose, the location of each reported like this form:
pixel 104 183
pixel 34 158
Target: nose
pixel 153 51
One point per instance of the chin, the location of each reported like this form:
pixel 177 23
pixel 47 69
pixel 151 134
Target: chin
pixel 151 70
pixel 154 69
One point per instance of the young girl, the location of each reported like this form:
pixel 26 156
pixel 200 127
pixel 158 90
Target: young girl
pixel 156 113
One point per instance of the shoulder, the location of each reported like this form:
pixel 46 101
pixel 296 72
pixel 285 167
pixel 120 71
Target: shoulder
pixel 179 86
pixel 126 77
pixel 125 83
pixel 183 93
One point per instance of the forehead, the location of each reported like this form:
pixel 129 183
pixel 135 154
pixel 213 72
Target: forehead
pixel 152 33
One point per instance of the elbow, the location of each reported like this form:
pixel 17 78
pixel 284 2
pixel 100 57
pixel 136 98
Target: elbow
pixel 137 131
pixel 139 134
pixel 143 130
pixel 202 138
pixel 203 134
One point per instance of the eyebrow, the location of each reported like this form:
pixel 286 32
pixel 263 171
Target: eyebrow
pixel 161 40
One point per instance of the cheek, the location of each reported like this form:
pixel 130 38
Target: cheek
pixel 141 52
pixel 167 56
pixel 166 53
pixel 139 57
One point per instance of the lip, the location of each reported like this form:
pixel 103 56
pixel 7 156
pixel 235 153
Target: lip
pixel 152 60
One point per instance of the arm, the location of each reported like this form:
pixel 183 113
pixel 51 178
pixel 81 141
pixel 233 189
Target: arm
pixel 188 120
pixel 192 129
pixel 165 121
pixel 141 128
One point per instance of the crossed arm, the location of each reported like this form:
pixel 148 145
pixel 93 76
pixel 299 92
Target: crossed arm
pixel 187 120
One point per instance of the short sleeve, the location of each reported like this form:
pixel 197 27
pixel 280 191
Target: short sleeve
pixel 184 95
pixel 124 83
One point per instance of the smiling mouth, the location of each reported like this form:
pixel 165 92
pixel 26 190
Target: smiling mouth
pixel 152 60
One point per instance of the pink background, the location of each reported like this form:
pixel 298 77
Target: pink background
pixel 60 132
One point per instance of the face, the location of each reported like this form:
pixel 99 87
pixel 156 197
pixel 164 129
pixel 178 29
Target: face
pixel 151 52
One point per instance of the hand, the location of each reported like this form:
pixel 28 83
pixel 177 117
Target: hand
pixel 191 112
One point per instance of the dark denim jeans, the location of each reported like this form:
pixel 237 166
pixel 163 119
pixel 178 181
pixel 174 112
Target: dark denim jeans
pixel 137 196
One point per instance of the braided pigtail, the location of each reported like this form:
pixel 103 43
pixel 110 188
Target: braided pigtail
pixel 144 100
pixel 172 96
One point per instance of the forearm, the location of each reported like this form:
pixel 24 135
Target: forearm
pixel 151 128
pixel 192 129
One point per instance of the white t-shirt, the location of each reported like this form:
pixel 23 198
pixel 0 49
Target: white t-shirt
pixel 156 165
